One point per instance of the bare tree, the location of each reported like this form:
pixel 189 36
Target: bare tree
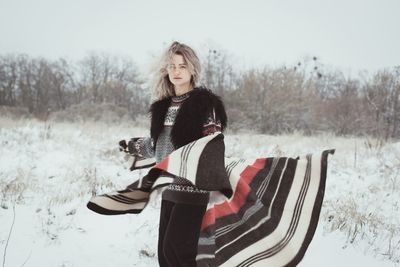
pixel 25 82
pixel 382 95
pixel 8 80
pixel 63 84
pixel 339 108
pixel 275 100
pixel 218 72
pixel 104 78
pixel 94 73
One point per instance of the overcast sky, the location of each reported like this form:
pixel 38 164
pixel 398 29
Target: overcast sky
pixel 348 34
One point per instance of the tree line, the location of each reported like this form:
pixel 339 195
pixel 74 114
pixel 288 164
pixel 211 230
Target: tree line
pixel 308 97
pixel 44 86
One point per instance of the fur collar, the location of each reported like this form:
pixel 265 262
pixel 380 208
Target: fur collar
pixel 191 116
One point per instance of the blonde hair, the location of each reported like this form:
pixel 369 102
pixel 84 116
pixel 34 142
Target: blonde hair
pixel 161 85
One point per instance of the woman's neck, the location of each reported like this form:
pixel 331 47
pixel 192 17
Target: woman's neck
pixel 182 90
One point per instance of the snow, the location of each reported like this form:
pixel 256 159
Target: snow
pixel 329 251
pixel 48 172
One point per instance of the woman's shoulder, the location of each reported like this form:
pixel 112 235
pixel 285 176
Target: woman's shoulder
pixel 162 100
pixel 204 93
pixel 199 94
pixel 202 90
pixel 160 104
pixel 205 98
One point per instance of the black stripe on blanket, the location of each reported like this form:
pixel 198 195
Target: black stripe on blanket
pixel 244 238
pixel 316 211
pixel 142 163
pixel 119 202
pixel 104 211
pixel 211 172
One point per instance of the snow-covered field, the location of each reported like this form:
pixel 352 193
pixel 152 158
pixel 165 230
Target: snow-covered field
pixel 48 172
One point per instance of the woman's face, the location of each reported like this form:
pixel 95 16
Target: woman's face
pixel 178 72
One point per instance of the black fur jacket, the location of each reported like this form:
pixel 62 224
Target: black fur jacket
pixel 191 116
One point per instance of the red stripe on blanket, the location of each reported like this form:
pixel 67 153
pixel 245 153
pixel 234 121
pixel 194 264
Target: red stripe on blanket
pixel 163 165
pixel 239 198
pixel 259 163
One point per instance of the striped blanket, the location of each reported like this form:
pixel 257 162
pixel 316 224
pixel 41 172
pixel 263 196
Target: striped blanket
pixel 262 212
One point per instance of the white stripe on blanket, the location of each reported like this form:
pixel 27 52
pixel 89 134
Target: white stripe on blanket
pixel 188 156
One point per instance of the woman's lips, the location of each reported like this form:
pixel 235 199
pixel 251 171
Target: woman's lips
pixel 177 78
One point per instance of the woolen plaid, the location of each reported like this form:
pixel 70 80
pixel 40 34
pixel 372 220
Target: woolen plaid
pixel 262 212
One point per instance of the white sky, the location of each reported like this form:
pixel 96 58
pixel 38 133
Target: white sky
pixel 348 34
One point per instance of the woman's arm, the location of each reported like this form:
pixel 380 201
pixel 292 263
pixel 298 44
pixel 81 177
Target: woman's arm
pixel 139 147
pixel 212 124
pixel 216 120
pixel 143 147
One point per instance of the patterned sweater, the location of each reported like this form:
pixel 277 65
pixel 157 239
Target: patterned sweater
pixel 181 190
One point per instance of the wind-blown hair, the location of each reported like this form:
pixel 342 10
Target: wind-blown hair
pixel 161 85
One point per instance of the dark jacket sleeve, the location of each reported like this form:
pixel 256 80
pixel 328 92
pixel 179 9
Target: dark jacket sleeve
pixel 220 112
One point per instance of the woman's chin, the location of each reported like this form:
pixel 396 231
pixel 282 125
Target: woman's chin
pixel 180 83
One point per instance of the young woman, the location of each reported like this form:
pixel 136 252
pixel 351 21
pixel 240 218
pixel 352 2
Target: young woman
pixel 271 214
pixel 184 112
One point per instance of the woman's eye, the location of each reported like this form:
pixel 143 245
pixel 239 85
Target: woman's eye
pixel 173 67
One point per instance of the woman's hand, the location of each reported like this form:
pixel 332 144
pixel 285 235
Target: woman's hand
pixel 123 146
pixel 132 147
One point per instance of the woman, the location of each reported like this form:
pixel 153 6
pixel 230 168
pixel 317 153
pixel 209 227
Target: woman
pixel 183 113
pixel 271 206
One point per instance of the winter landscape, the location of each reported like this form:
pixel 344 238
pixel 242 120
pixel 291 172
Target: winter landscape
pixel 296 77
pixel 49 170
